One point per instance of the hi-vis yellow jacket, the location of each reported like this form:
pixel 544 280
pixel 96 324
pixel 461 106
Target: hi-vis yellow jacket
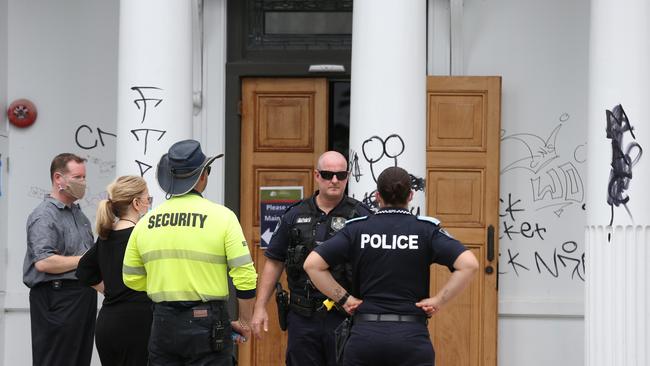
pixel 181 250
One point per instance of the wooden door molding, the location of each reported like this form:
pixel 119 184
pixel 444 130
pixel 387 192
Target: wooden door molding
pixel 283 132
pixel 463 137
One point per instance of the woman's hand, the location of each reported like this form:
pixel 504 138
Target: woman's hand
pixel 430 306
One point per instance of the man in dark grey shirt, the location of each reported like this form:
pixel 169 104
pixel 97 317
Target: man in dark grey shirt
pixel 62 310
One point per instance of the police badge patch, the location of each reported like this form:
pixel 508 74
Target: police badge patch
pixel 338 223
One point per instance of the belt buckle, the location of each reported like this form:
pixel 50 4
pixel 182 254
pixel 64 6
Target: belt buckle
pixel 57 284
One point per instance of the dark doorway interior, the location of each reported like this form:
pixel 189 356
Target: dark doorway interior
pixel 339 117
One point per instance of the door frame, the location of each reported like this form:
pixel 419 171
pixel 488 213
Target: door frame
pixel 235 72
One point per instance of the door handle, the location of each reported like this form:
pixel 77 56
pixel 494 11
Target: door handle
pixel 490 249
pixel 490 243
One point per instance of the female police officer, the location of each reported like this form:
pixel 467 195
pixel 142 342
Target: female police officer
pixel 391 253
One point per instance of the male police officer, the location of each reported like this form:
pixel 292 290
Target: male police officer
pixel 303 227
pixel 392 252
pixel 179 254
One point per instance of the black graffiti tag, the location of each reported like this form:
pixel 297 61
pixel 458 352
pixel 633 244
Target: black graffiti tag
pixel 355 170
pixel 621 173
pixel 146 131
pixel 144 100
pixel 375 148
pixel 568 247
pixel 144 167
pixel 515 265
pixel 79 136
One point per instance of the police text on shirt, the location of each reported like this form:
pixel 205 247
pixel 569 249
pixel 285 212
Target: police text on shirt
pixel 396 241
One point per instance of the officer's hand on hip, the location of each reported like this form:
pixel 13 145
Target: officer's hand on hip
pixel 351 304
pixel 260 321
pixel 430 305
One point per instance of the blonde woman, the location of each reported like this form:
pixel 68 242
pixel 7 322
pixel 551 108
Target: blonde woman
pixel 124 321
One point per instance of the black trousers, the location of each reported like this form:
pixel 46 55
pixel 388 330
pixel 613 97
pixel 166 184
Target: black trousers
pixel 389 344
pixel 122 334
pixel 311 339
pixel 183 333
pixel 63 323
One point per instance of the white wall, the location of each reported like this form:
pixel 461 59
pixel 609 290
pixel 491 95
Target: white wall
pixel 4 146
pixel 540 48
pixel 538 340
pixel 209 121
pixel 63 56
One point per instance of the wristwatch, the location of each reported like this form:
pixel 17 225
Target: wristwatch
pixel 343 299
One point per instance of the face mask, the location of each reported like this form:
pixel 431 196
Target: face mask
pixel 140 214
pixel 75 188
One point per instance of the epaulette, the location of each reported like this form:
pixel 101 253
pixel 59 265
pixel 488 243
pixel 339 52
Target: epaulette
pixel 430 219
pixel 360 218
pixel 355 203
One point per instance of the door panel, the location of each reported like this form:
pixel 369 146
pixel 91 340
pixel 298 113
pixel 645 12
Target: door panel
pixel 456 196
pixel 283 132
pixel 463 124
pixel 465 339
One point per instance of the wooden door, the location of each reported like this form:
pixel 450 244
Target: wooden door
pixel 283 132
pixel 463 129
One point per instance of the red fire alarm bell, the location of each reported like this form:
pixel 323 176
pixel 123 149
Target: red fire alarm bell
pixel 22 113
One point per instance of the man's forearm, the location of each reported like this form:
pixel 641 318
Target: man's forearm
pixel 245 310
pixel 56 264
pixel 270 276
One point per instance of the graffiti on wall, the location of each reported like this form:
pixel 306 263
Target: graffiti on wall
pixel 148 97
pixel 516 231
pixel 555 183
pixel 533 240
pixel 378 154
pixel 622 163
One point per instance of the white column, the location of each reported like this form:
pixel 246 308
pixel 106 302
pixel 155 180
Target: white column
pixel 154 86
pixel 618 276
pixel 388 112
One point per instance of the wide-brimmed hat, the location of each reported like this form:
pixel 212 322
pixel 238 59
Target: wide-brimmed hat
pixel 180 169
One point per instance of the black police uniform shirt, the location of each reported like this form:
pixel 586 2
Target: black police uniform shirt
pixel 391 254
pixel 326 226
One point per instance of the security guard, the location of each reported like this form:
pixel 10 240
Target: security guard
pixel 392 252
pixel 303 227
pixel 179 254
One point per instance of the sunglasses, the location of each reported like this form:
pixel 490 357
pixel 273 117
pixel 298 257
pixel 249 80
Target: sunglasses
pixel 328 175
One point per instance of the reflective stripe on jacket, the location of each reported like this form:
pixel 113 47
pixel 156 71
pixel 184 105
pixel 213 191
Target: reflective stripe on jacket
pixel 181 251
